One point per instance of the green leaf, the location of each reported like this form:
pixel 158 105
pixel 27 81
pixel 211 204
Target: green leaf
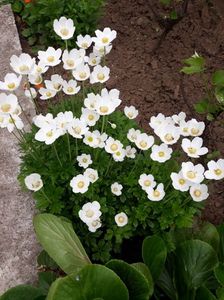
pixel 92 282
pixel 60 241
pixel 45 280
pixel 165 282
pixel 195 64
pixel 201 107
pixel 154 254
pixel 22 292
pixel 220 293
pixel 165 2
pixel 17 6
pixel 45 260
pixel 195 261
pixel 141 267
pixel 204 294
pixel 209 234
pixel 221 246
pixel 219 273
pixel 173 15
pixel 135 281
pixel 218 78
pixel 219 94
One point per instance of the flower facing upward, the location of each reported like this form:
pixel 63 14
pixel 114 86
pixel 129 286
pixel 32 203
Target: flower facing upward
pixel 194 148
pixel 112 145
pixel 144 141
pixel 161 153
pixel 8 103
pixel 70 87
pixel 131 112
pixel 89 116
pixel 93 60
pixel 199 192
pixel 105 37
pixel 179 182
pixel 215 169
pixel 99 74
pixel 94 225
pixel 196 128
pixel 130 152
pixel 90 212
pixel 71 59
pixel 116 188
pixel 193 173
pixel 34 182
pixel 84 42
pixel 91 174
pixel 48 134
pixel 50 57
pixel 46 93
pixel 80 184
pixel 90 139
pixel 11 82
pixel 179 118
pixel 84 160
pixel 133 134
pixel 121 219
pixel 101 51
pixel 91 100
pixel 146 181
pixel 55 83
pixel 82 72
pixel 77 128
pixel 156 194
pixel 63 120
pixel 119 155
pixel 22 64
pixel 64 28
pixel 169 134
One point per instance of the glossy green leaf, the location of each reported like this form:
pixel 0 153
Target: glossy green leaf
pixel 45 280
pixel 135 281
pixel 142 268
pixel 218 78
pixel 58 238
pixel 165 282
pixel 209 234
pixel 220 229
pixel 204 294
pixel 219 274
pixel 154 255
pixel 22 292
pixel 92 282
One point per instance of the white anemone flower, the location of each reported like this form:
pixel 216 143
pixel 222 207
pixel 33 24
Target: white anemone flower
pixel 121 219
pixel 184 128
pixel 64 28
pixel 91 100
pixel 91 174
pixel 130 152
pixel 156 194
pixel 99 74
pixel 46 93
pixel 112 145
pixel 84 160
pixel 22 64
pixel 72 59
pixel 11 82
pixel 199 192
pixel 116 189
pixel 144 141
pixel 146 181
pixel 30 93
pixel 119 155
pixel 81 72
pixel 35 79
pixel 93 60
pixel 33 182
pixel 80 184
pixel 105 37
pixel 42 121
pixel 55 83
pixel 40 68
pixel 8 103
pixel 70 87
pixel 179 182
pixel 77 128
pixel 48 134
pixel 215 169
pixel 193 173
pixel 112 95
pixel 94 225
pixel 13 121
pixel 161 153
pixel 194 148
pixel 90 139
pixel 101 50
pixel 50 57
pixel 196 128
pixel 89 116
pixel 84 42
pixel 90 212
pixel 105 106
pixel 156 121
pixel 179 118
pixel 101 138
pixel 169 134
pixel 133 134
pixel 131 112
pixel 63 120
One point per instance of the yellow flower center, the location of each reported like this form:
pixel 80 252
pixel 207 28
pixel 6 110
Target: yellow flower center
pixel 185 129
pixel 36 184
pixel 11 86
pixel 80 184
pixel 182 181
pixel 77 130
pixel 57 86
pixel 130 115
pixel 105 40
pixel 84 160
pixel 143 144
pixel 192 150
pixel 23 68
pixel 194 131
pixel 191 174
pixel 90 213
pixel 49 134
pixel 48 94
pixel 6 107
pixel 39 69
pixel 82 75
pixel 218 172
pixel 147 182
pixel 104 109
pixel 168 137
pixel 91 117
pixel 197 193
pixel 156 193
pixel 70 89
pixel 38 80
pixel 70 63
pixel 118 153
pixel 161 154
pixel 90 139
pixel 64 31
pixel 121 219
pixel 93 61
pixel 114 147
pixel 50 59
pixel 100 76
pixel 84 45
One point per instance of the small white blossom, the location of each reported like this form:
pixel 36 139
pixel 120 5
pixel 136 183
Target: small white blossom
pixel 93 60
pixel 94 225
pixel 99 74
pixel 8 103
pixel 55 83
pixel 22 64
pixel 121 219
pixel 144 141
pixel 194 148
pixel 82 72
pixel 116 189
pixel 89 116
pixel 199 192
pixel 72 59
pixel 48 134
pixel 50 57
pixel 33 182
pixel 161 153
pixel 131 112
pixel 91 174
pixel 130 152
pixel 133 134
pixel 193 173
pixel 113 146
pixel 84 42
pixel 91 139
pixel 119 155
pixel 179 118
pixel 11 82
pixel 80 184
pixel 64 28
pixel 196 128
pixel 70 87
pixel 77 128
pixel 84 160
pixel 46 93
pixel 179 182
pixel 215 169
pixel 105 37
pixel 90 212
pixel 156 194
pixel 146 181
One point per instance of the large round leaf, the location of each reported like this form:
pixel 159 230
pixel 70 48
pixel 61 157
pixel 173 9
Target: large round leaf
pixel 136 282
pixel 142 268
pixel 219 274
pixel 92 282
pixel 195 261
pixel 209 234
pixel 154 254
pixel 58 238
pixel 22 292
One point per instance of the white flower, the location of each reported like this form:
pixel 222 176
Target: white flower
pixel 50 57
pixel 215 169
pixel 84 160
pixel 89 116
pixel 116 188
pixel 112 95
pixel 71 59
pixel 161 153
pixel 104 106
pixel 48 134
pixel 84 42
pixel 133 134
pixel 105 37
pixel 40 68
pixel 179 118
pixel 64 28
pixel 22 64
pixel 131 112
pixel 193 173
pixel 80 184
pixel 11 82
pixel 147 181
pixel 30 93
pixel 169 134
pixel 81 72
pixel 91 139
pixel 101 50
pixel 113 146
pixel 63 120
pixel 33 182
pixel 13 121
pixel 77 128
pixel 156 194
pixel 119 155
pixel 179 182
pixel 156 121
pixel 99 74
pixel 196 128
pixel 42 121
pixel 90 212
pixel 94 225
pixel 121 219
pixel 194 148
pixel 91 174
pixel 144 141
pixel 35 79
pixel 93 60
pixel 130 152
pixel 55 83
pixel 8 103
pixel 199 192
pixel 91 100
pixel 46 93
pixel 184 128
pixel 70 87
pixel 101 138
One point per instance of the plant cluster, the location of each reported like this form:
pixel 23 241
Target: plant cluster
pixel 88 162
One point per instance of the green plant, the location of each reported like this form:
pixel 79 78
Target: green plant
pixel 38 17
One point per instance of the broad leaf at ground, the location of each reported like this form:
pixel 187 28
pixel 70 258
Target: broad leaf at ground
pixel 22 292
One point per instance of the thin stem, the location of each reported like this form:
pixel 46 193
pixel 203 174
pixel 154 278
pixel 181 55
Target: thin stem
pixel 28 120
pixel 66 44
pixel 56 153
pixel 103 124
pixel 109 164
pixel 69 146
pixel 23 138
pixel 16 137
pixel 136 162
pixel 43 192
pixel 31 95
pixel 83 90
pixel 76 146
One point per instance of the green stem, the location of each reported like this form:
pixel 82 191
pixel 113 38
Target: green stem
pixel 103 124
pixel 69 146
pixel 19 132
pixel 76 146
pixel 109 164
pixel 136 162
pixel 56 153
pixel 31 95
pixel 83 89
pixel 66 44
pixel 43 192
pixel 23 111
